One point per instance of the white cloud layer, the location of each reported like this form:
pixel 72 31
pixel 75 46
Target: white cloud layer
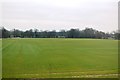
pixel 60 14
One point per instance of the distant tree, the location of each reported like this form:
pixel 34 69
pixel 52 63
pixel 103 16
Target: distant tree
pixel 89 33
pixel 36 33
pixel 116 35
pixel 62 33
pixel 0 32
pixel 52 34
pixel 16 33
pixel 30 33
pixel 73 33
pixel 5 33
pixel 44 34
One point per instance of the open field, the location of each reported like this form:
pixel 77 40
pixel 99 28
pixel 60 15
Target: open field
pixel 0 58
pixel 45 58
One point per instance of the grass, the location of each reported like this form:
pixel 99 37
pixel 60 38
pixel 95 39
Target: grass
pixel 0 58
pixel 58 58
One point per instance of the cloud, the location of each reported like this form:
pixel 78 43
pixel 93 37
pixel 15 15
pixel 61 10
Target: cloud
pixel 58 14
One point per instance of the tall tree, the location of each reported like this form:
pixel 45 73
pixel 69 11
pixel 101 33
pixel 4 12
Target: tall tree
pixel 5 33
pixel 73 33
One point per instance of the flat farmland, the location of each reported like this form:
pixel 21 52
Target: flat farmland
pixel 0 58
pixel 59 58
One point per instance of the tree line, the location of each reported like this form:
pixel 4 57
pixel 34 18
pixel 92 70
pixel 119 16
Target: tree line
pixel 72 33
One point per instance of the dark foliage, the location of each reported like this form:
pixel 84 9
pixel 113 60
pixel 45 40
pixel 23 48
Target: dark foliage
pixel 72 33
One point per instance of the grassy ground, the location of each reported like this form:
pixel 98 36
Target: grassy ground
pixel 0 58
pixel 45 58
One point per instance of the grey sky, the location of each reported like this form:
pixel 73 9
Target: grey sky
pixel 60 14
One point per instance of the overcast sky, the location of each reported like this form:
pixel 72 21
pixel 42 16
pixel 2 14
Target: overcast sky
pixel 60 14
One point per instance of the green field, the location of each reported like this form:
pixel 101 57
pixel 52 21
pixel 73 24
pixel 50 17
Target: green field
pixel 0 58
pixel 59 58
